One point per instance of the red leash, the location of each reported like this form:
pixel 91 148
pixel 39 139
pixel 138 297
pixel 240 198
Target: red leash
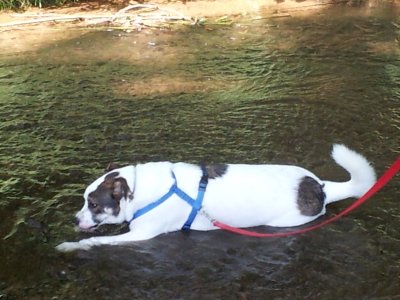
pixel 382 181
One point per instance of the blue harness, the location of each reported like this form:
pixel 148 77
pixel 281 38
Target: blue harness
pixel 194 203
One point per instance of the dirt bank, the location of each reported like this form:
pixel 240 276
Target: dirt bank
pixel 190 9
pixel 50 24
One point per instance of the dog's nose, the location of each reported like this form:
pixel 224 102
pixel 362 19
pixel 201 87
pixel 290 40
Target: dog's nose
pixel 76 221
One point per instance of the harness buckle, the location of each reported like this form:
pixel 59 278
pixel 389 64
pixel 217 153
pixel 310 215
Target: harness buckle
pixel 203 183
pixel 204 178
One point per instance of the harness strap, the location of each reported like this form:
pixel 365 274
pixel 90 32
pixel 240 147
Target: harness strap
pixel 194 203
pixel 154 204
pixel 199 200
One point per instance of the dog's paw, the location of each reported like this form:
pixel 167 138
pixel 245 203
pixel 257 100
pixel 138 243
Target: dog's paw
pixel 72 246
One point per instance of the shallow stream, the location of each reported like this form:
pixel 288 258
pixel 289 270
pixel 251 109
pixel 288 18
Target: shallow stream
pixel 259 91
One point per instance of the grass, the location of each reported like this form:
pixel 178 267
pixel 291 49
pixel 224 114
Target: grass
pixel 21 4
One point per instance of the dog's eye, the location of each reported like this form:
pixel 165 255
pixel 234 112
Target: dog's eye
pixel 92 205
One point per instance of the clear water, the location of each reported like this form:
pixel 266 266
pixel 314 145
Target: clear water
pixel 260 91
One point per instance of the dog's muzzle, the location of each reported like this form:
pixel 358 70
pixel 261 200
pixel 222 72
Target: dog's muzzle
pixel 81 225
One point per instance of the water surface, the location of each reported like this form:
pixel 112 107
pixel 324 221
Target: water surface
pixel 259 91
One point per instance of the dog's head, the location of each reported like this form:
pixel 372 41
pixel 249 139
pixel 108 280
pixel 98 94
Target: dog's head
pixel 106 198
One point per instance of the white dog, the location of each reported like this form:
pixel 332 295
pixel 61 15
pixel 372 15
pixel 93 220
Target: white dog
pixel 163 197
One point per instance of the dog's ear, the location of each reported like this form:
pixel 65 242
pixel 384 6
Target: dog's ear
pixel 112 166
pixel 110 177
pixel 118 190
pixel 121 189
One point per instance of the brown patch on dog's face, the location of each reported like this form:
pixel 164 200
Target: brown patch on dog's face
pixel 105 200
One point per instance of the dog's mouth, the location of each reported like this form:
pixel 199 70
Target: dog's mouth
pixel 86 229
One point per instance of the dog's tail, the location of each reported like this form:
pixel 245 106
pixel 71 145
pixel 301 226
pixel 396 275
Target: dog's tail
pixel 362 175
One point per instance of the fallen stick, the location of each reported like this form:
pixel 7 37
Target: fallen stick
pixel 53 19
pixel 136 6
pixel 175 16
pixel 140 7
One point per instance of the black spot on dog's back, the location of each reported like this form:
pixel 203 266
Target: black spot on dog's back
pixel 310 197
pixel 217 170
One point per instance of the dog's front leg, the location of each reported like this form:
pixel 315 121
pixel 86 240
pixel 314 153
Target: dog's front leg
pixel 86 244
